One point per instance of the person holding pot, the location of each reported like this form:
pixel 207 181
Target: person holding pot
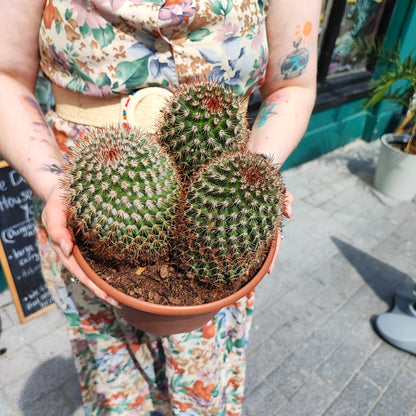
pixel 100 51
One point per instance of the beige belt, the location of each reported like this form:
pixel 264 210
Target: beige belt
pixel 140 109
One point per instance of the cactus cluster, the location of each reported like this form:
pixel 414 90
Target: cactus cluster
pixel 192 191
pixel 122 193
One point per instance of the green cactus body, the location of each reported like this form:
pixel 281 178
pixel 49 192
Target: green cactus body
pixel 234 210
pixel 122 194
pixel 203 120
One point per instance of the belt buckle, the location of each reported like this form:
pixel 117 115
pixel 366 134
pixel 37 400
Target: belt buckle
pixel 143 108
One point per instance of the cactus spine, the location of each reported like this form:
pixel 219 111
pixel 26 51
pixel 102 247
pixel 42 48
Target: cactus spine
pixel 203 120
pixel 122 193
pixel 234 210
pixel 193 185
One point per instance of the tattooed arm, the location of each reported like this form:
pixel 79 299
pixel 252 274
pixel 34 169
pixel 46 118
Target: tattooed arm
pixel 289 90
pixel 26 140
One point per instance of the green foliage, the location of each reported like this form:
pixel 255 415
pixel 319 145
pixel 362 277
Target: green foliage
pixel 397 80
pixel 122 192
pixel 203 120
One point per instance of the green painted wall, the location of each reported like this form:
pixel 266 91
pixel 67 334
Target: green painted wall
pixel 3 283
pixel 336 127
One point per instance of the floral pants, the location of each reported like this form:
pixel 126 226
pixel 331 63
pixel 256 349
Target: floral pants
pixel 125 371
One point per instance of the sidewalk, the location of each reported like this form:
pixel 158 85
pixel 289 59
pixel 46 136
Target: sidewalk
pixel 313 350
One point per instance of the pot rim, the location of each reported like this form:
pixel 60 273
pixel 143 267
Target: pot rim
pixel 388 138
pixel 158 309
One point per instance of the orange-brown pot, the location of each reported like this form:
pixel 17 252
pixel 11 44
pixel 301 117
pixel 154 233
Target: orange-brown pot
pixel 165 319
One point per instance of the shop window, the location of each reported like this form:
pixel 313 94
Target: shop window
pixel 341 76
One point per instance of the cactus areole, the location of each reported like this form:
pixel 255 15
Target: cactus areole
pixel 189 202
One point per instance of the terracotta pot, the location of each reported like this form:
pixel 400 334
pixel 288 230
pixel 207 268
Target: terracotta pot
pixel 165 319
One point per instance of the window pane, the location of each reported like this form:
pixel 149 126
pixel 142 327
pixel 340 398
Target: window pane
pixel 361 19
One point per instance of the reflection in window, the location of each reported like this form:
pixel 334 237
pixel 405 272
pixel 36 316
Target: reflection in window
pixel 361 19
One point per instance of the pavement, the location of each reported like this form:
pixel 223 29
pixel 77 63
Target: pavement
pixel 313 347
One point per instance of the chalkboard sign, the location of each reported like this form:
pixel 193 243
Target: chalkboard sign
pixel 18 249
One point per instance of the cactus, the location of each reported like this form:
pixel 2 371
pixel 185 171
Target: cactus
pixel 234 209
pixel 122 192
pixel 191 192
pixel 203 120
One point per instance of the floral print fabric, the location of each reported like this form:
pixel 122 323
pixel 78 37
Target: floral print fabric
pixel 102 47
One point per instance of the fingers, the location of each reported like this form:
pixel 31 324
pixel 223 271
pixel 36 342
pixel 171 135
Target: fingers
pixel 289 199
pixel 74 268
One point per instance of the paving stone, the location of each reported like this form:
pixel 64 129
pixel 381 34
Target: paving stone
pixel 291 374
pixel 385 249
pixel 308 289
pixel 264 400
pixel 41 381
pixel 376 369
pixel 23 334
pixel 312 399
pixel 338 326
pixel 411 364
pixel 17 364
pixel 5 298
pixel 53 344
pixel 54 318
pixel 72 391
pixel 271 288
pixel 348 358
pixel 372 298
pixel 356 399
pixel 290 303
pixel 352 229
pixel 340 290
pixel 296 243
pixel 291 272
pixel 11 311
pixel 400 397
pixel 5 321
pixel 298 327
pixel 404 260
pixel 317 198
pixel 265 322
pixel 52 404
pixel 262 361
pixel 7 407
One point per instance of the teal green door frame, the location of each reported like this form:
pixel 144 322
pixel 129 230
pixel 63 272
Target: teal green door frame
pixel 338 126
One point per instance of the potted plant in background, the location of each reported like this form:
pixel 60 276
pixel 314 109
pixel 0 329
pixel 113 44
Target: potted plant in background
pixel 396 166
pixel 185 211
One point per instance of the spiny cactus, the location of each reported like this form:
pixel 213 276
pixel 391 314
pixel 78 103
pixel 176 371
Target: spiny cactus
pixel 203 120
pixel 234 209
pixel 122 194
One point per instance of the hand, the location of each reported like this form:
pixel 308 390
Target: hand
pixel 61 240
pixel 287 212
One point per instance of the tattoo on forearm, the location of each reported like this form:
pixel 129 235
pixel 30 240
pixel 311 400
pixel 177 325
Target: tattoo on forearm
pixel 34 108
pixel 266 111
pixel 52 168
pixel 294 63
pixel 41 131
pixel 269 106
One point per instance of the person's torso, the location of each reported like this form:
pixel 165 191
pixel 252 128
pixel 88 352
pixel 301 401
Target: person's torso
pixel 101 47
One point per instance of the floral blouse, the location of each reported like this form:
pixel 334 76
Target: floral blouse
pixel 102 47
